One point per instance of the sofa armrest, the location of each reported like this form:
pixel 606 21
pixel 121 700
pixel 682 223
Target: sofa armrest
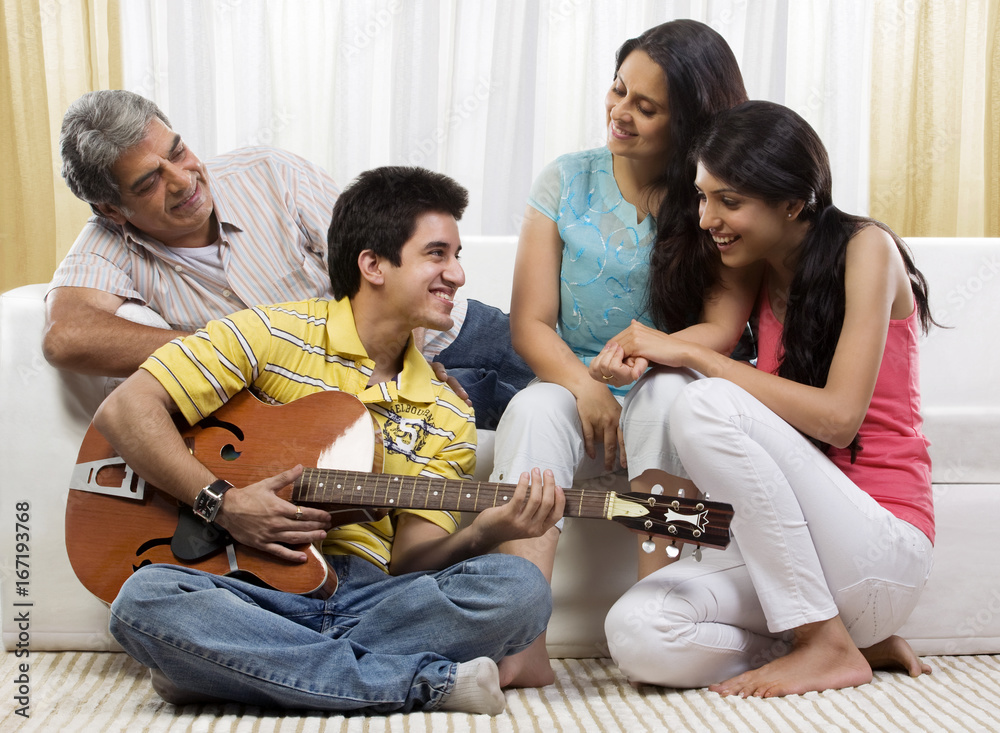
pixel 44 414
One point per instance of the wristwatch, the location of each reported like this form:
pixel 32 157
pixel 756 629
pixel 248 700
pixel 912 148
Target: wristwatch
pixel 209 500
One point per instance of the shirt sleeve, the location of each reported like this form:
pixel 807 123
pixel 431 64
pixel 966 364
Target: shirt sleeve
pixel 203 371
pixel 546 192
pixel 98 259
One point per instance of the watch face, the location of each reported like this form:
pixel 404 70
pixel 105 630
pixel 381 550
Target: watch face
pixel 209 499
pixel 207 505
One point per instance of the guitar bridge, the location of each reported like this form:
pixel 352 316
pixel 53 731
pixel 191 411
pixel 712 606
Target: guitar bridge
pixel 84 478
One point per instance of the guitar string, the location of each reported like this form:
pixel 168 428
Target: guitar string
pixel 314 478
pixel 587 503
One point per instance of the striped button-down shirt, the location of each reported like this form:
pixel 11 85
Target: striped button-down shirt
pixel 273 211
pixel 287 351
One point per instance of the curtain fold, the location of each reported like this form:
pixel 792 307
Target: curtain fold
pixel 934 118
pixel 486 92
pixel 991 136
pixel 51 54
pixel 905 94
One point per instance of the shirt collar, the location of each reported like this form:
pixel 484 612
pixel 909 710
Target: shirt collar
pixel 226 215
pixel 413 383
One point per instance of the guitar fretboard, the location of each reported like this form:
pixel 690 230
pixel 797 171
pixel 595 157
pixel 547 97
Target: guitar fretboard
pixel 329 486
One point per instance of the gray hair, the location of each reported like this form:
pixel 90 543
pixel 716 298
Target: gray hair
pixel 96 130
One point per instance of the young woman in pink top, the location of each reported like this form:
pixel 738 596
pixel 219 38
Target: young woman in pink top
pixel 819 448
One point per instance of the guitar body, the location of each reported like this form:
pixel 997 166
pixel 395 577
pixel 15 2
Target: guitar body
pixel 109 537
pixel 116 523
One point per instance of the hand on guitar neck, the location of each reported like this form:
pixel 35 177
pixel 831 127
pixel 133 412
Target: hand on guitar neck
pixel 528 514
pixel 535 505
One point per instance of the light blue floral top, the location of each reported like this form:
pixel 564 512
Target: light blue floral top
pixel 605 257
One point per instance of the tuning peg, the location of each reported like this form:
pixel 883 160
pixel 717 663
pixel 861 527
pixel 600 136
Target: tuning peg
pixel 673 550
pixel 657 489
pixel 648 546
pixel 697 554
pixel 680 493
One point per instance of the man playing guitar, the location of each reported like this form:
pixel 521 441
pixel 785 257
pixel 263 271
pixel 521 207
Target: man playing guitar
pixel 424 610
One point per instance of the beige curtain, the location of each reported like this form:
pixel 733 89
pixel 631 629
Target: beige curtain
pixel 935 134
pixel 52 53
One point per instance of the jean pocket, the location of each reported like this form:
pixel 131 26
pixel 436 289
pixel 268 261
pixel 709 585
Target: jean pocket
pixel 875 609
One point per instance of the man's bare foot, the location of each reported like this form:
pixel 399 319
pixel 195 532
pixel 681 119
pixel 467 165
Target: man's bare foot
pixel 823 657
pixel 895 653
pixel 530 668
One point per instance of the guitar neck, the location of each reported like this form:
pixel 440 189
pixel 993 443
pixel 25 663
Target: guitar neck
pixel 320 486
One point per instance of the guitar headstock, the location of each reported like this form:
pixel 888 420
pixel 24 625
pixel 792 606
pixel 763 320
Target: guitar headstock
pixel 695 521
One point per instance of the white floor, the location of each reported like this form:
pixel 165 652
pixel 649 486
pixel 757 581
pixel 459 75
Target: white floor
pixel 87 691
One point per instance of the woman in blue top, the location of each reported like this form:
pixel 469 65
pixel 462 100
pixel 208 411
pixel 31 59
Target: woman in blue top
pixel 582 262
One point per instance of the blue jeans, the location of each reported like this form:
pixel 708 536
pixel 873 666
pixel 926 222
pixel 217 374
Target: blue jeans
pixel 484 362
pixel 379 644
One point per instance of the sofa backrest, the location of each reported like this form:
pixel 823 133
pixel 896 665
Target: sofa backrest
pixel 960 388
pixel 960 379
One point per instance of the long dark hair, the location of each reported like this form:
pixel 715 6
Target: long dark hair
pixel 767 151
pixel 703 79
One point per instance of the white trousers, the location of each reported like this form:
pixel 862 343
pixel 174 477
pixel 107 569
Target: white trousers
pixel 646 424
pixel 808 545
pixel 541 428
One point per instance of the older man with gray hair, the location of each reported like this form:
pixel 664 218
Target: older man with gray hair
pixel 190 241
pixel 175 243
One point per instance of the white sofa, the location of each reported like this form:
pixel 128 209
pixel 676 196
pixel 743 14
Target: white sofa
pixel 44 414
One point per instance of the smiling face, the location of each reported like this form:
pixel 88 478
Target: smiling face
pixel 164 190
pixel 421 290
pixel 746 229
pixel 638 113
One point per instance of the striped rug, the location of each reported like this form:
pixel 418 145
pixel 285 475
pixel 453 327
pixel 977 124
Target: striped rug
pixel 106 692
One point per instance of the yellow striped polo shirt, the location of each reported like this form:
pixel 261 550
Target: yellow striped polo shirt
pixel 290 350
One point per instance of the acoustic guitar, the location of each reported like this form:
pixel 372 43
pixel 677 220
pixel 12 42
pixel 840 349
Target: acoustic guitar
pixel 116 522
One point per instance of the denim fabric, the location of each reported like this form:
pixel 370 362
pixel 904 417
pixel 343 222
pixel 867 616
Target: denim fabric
pixel 484 362
pixel 379 644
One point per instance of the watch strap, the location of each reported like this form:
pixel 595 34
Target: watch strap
pixel 209 499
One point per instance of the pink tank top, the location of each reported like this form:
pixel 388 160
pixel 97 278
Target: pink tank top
pixel 893 466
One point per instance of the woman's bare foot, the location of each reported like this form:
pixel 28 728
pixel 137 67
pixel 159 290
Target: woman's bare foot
pixel 895 653
pixel 529 668
pixel 823 657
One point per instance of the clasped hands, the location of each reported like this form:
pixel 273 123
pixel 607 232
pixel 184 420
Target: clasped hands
pixel 628 355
